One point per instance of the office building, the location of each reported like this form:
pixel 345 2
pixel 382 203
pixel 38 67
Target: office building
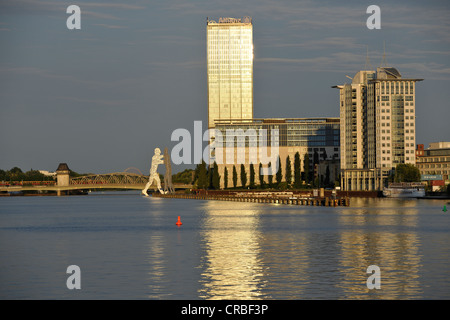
pixel 319 137
pixel 229 69
pixel 434 163
pixel 377 116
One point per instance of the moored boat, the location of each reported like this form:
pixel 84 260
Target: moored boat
pixel 404 190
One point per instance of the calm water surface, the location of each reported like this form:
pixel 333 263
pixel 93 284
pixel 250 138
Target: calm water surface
pixel 128 247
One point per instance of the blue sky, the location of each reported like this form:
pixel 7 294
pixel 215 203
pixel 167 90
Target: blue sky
pixel 103 97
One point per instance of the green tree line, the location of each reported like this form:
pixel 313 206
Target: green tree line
pixel 16 174
pixel 208 177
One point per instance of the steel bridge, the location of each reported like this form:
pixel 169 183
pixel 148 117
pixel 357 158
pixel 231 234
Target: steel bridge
pixel 116 180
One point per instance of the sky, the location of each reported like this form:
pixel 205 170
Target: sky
pixel 103 97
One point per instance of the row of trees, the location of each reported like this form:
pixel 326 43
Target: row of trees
pixel 206 177
pixel 16 174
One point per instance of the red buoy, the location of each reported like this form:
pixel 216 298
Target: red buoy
pixel 178 223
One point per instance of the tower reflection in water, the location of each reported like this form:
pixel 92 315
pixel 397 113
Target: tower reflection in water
pixel 384 234
pixel 231 263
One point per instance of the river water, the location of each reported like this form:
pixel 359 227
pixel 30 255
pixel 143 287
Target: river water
pixel 128 247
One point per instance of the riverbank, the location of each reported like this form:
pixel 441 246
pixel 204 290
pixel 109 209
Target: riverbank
pixel 262 197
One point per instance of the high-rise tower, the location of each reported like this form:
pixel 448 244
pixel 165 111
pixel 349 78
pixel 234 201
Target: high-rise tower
pixel 230 69
pixel 377 118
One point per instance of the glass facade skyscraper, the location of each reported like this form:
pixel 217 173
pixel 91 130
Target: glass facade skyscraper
pixel 230 69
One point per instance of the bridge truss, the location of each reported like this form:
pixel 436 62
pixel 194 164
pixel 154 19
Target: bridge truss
pixel 116 178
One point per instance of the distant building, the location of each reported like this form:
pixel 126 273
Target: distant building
pixel 229 69
pixel 377 116
pixel 47 173
pixel 434 163
pixel 318 137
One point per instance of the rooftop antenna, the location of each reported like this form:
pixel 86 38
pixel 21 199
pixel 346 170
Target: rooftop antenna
pixel 368 66
pixel 383 60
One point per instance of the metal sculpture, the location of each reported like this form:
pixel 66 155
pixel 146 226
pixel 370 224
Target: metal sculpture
pixel 157 159
pixel 168 186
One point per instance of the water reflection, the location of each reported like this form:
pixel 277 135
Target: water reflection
pixel 281 252
pixel 381 233
pixel 157 253
pixel 231 264
pixel 157 267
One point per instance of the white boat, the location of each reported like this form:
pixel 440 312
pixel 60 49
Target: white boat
pixel 404 190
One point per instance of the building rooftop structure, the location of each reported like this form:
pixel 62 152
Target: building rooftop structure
pixel 63 167
pixel 227 20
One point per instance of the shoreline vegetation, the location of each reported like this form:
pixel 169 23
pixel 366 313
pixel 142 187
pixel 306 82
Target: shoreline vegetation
pixel 206 180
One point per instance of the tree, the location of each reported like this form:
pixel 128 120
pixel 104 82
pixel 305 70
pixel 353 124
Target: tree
pixel 16 170
pixel 279 175
pixel 324 154
pixel 297 173
pixel 183 177
pixel 16 174
pixel 196 172
pixel 234 176
pixel 202 181
pixel 243 176
pixel 288 173
pixel 252 176
pixel 406 173
pixel 327 176
pixel 225 178
pixel 270 176
pixel 316 182
pixel 210 177
pixel 216 177
pixel 306 168
pixel 316 158
pixel 33 175
pixel 261 176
